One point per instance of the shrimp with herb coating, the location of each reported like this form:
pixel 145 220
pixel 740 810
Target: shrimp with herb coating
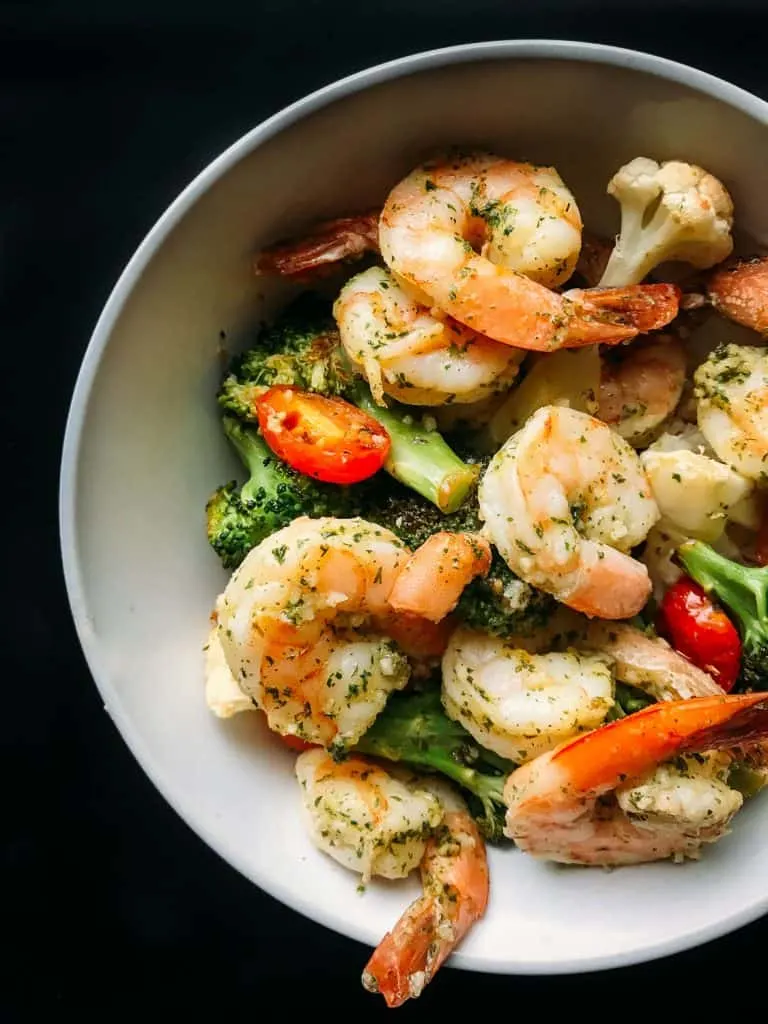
pixel 565 500
pixel 486 239
pixel 413 353
pixel 732 410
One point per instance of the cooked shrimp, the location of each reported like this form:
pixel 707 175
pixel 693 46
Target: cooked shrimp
pixel 732 393
pixel 297 622
pixel 648 663
pixel 454 875
pixel 520 704
pixel 367 819
pixel 527 228
pixel 413 354
pixel 386 823
pixel 739 290
pixel 432 580
pixel 346 238
pixel 564 501
pixel 610 797
pixel 640 387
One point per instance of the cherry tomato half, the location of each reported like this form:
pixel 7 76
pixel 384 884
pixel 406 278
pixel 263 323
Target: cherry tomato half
pixel 702 632
pixel 325 438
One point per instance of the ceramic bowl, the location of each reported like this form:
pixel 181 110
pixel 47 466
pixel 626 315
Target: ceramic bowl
pixel 144 449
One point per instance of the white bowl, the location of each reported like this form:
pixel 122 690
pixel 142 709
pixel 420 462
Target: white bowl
pixel 143 450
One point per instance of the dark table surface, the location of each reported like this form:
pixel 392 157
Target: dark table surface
pixel 108 109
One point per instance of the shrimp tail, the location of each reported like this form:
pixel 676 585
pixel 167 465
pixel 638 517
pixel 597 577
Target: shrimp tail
pixel 405 960
pixel 739 290
pixel 625 749
pixel 609 316
pixel 454 875
pixel 330 243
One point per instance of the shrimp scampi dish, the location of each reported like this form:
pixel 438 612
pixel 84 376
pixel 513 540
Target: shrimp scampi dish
pixel 498 568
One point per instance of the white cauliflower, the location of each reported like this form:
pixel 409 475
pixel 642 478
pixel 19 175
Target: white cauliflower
pixel 694 493
pixel 222 694
pixel 672 211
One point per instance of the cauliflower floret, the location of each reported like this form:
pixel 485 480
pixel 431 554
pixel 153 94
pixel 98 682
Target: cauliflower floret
pixel 222 694
pixel 694 493
pixel 670 211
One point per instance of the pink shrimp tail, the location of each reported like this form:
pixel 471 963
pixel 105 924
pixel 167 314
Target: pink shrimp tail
pixel 739 290
pixel 456 895
pixel 628 747
pixel 328 244
pixel 608 316
pixel 403 954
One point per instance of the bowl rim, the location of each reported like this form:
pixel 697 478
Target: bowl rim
pixel 466 53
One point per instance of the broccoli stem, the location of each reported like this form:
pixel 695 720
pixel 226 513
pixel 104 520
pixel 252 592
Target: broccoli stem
pixel 744 592
pixel 413 728
pixel 254 454
pixel 742 589
pixel 421 459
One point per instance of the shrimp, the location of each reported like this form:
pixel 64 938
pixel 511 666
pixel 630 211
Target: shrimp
pixel 332 242
pixel 564 501
pixel 739 290
pixel 611 797
pixel 454 876
pixel 433 579
pixel 386 823
pixel 298 624
pixel 521 696
pixel 640 387
pixel 649 663
pixel 366 819
pixel 732 410
pixel 520 704
pixel 527 228
pixel 412 353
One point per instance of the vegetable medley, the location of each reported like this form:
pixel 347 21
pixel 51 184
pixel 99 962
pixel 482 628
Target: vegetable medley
pixel 499 563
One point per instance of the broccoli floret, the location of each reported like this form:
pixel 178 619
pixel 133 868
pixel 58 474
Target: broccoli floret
pixel 671 211
pixel 414 728
pixel 303 349
pixel 743 591
pixel 312 361
pixel 628 700
pixel 502 604
pixel 499 602
pixel 239 518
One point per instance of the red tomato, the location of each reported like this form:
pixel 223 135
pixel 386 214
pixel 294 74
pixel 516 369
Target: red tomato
pixel 296 743
pixel 325 438
pixel 702 632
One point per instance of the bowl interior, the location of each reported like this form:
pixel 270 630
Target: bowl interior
pixel 145 451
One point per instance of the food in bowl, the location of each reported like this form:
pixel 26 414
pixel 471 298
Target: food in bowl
pixel 499 569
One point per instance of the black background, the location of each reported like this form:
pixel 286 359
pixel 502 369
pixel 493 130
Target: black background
pixel 112 906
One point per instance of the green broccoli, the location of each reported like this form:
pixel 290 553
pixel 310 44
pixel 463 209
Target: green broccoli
pixel 302 349
pixel 744 593
pixel 498 603
pixel 414 728
pixel 273 496
pixel 628 700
